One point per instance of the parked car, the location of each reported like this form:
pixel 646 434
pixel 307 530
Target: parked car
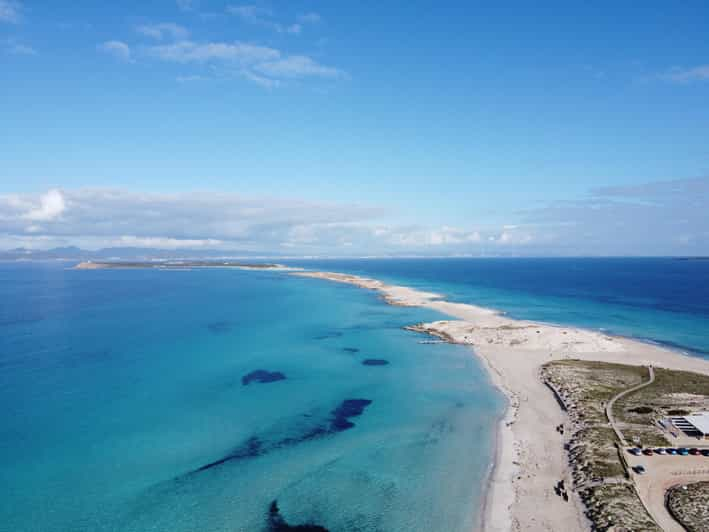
pixel 670 450
pixel 660 450
pixel 694 451
pixel 647 452
pixel 683 451
pixel 634 450
pixel 640 470
pixel 705 452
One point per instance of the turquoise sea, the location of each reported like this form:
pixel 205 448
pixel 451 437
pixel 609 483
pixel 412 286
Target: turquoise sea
pixel 130 404
pixel 223 400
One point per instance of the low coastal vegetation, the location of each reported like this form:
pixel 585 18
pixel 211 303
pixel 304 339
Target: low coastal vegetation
pixel 584 388
pixel 688 504
pixel 672 393
pixel 596 455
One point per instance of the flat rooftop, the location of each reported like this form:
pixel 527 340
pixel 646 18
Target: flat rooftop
pixel 698 421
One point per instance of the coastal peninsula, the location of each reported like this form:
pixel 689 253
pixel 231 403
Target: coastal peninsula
pixel 534 484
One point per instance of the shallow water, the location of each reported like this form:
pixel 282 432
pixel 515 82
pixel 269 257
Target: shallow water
pixel 192 400
pixel 129 405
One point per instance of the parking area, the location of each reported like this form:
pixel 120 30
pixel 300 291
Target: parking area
pixel 680 452
pixel 661 472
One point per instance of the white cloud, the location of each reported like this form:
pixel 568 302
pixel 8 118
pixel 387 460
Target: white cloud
pixel 262 16
pixel 96 218
pixel 257 15
pixel 309 18
pixel 265 82
pixel 384 239
pixel 415 238
pixel 294 29
pixel 163 30
pixel 687 75
pixel 263 65
pixel 51 206
pixel 10 11
pixel 100 216
pixel 119 50
pixel 667 218
pixel 163 242
pixel 509 237
pixel 295 66
pixel 188 51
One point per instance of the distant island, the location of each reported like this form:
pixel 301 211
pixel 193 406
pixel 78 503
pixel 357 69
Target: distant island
pixel 175 265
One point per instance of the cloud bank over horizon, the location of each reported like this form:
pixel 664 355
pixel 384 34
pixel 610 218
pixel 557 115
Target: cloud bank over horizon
pixel 660 218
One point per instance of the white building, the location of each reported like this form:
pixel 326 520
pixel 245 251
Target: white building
pixel 696 424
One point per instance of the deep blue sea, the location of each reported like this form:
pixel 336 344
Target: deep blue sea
pixel 658 299
pixel 192 400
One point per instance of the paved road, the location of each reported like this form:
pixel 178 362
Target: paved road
pixel 609 406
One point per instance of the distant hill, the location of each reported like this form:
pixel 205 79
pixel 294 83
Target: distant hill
pixel 124 253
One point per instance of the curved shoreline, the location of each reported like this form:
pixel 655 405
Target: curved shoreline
pixel 529 455
pixel 497 498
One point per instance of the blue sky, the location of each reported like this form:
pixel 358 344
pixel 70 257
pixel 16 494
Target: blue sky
pixel 419 127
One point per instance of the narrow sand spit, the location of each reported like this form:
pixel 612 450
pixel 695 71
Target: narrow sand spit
pixel 530 457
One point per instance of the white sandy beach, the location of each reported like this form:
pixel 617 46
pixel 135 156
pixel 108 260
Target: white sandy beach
pixel 530 454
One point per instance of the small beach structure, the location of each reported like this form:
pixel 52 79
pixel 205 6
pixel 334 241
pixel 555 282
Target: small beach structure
pixel 696 424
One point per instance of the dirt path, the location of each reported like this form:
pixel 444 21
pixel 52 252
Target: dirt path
pixel 609 406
